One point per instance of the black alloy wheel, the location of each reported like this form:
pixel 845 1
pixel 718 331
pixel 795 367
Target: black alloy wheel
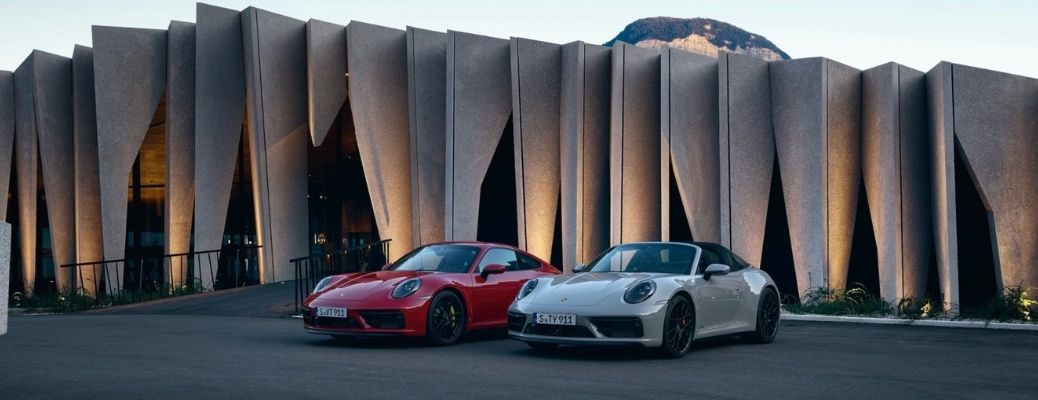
pixel 446 320
pixel 678 327
pixel 768 314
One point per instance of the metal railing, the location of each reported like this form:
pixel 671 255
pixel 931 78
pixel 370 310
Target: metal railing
pixel 131 280
pixel 311 269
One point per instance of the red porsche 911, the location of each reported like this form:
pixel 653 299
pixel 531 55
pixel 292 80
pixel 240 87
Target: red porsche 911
pixel 437 291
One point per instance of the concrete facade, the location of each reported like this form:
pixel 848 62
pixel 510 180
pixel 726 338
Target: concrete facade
pixel 584 151
pixel 479 103
pixel 635 149
pixel 5 272
pixel 275 82
pixel 536 87
pixel 89 246
pixel 690 141
pixel 219 121
pixel 597 135
pixel 129 82
pixel 378 98
pixel 427 115
pixel 817 120
pixel 895 167
pixel 180 147
pixel 325 75
pixel 747 148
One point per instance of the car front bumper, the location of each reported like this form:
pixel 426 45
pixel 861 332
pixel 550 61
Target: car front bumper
pixel 368 321
pixel 597 326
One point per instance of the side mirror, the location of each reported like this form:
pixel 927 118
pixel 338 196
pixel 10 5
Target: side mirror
pixel 386 267
pixel 492 269
pixel 716 269
pixel 579 268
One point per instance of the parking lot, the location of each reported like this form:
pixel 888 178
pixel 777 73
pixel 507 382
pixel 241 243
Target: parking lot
pixel 171 355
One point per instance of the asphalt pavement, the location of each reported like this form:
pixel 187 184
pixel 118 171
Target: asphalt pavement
pixel 166 356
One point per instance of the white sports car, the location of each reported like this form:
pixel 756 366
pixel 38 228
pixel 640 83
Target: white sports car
pixel 651 294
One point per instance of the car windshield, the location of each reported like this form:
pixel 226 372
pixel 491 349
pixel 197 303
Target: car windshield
pixel 664 258
pixel 438 257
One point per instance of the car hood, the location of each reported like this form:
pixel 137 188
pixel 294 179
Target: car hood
pixel 364 285
pixel 586 289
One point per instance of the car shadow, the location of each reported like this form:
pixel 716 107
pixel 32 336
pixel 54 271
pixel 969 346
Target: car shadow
pixel 409 342
pixel 626 353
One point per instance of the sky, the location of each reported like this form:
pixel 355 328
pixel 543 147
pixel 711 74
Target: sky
pixel 997 34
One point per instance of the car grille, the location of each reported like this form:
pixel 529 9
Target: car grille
pixel 558 330
pixel 383 319
pixel 619 327
pixel 516 321
pixel 325 322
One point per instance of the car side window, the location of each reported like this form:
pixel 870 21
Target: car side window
pixel 709 256
pixel 738 264
pixel 527 263
pixel 499 256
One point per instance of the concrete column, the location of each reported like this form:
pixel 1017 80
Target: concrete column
pixel 378 97
pixel 7 116
pixel 427 112
pixel 895 166
pixel 690 141
pixel 635 146
pixel 129 82
pixel 584 151
pixel 275 71
pixel 942 163
pixel 219 116
pixel 87 177
pixel 5 272
pixel 478 106
pixel 180 149
pixel 536 87
pixel 747 143
pixel 26 155
pixel 325 76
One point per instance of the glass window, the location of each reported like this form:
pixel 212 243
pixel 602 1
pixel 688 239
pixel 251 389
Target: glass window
pixel 710 256
pixel 527 263
pixel 738 263
pixel 499 256
pixel 440 258
pixel 666 258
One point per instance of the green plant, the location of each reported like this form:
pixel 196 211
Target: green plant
pixel 1013 304
pixel 919 309
pixel 831 301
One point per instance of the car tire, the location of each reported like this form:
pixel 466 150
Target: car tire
pixel 541 346
pixel 768 314
pixel 445 322
pixel 679 327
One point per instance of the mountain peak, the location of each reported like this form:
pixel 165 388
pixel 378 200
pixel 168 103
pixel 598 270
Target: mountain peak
pixel 698 35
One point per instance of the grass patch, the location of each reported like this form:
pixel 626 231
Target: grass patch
pixel 1012 305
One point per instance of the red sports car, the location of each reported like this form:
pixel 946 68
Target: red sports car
pixel 438 291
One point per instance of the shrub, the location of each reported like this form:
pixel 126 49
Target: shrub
pixel 829 301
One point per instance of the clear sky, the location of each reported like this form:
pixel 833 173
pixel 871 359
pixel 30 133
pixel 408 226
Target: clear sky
pixel 1000 35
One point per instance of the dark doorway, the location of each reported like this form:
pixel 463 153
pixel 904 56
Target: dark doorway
pixel 863 267
pixel 777 257
pixel 976 238
pixel 498 218
pixel 680 231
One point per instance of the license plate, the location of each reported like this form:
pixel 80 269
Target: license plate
pixel 331 312
pixel 557 319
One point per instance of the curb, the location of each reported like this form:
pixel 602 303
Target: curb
pixel 1006 326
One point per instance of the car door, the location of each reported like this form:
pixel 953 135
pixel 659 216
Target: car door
pixel 720 294
pixel 493 295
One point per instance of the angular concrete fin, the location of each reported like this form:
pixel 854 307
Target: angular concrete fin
pixel 584 151
pixel 996 125
pixel 747 145
pixel 378 98
pixel 129 81
pixel 6 137
pixel 940 111
pixel 478 106
pixel 690 130
pixel 89 238
pixel 427 112
pixel 635 145
pixel 536 87
pixel 276 46
pixel 26 155
pixel 53 81
pixel 325 75
pixel 843 130
pixel 180 147
pixel 219 115
pixel 895 167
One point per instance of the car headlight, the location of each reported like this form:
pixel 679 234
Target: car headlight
pixel 528 287
pixel 407 288
pixel 640 292
pixel 323 283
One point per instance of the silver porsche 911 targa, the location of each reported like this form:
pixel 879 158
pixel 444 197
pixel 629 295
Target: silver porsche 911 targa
pixel 653 294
